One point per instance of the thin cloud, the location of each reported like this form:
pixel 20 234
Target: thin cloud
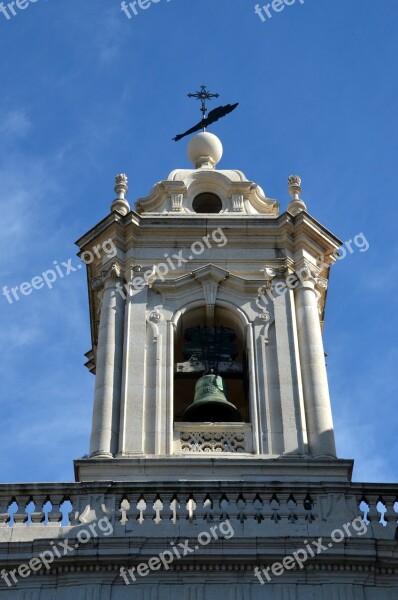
pixel 15 124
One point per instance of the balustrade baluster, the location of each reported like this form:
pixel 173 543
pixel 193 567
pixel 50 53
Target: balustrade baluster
pixel 191 508
pixel 4 514
pixel 38 515
pixel 55 515
pixel 291 506
pixel 175 508
pixel 275 508
pixel 158 509
pixel 373 515
pixel 124 508
pixel 224 508
pixel 258 506
pixel 241 506
pixel 141 508
pixel 309 508
pixel 21 516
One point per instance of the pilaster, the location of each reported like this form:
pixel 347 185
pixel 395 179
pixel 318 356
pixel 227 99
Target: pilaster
pixel 132 418
pixel 105 427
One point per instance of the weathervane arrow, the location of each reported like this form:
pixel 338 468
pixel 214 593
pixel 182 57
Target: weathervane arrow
pixel 207 119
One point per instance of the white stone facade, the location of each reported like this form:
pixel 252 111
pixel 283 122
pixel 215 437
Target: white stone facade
pixel 268 522
pixel 244 266
pixel 207 248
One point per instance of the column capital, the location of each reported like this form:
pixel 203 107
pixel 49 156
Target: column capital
pixel 321 283
pixel 114 271
pixel 307 274
pixel 270 273
pixel 111 273
pixel 147 274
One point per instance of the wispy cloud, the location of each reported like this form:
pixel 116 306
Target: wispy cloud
pixel 363 401
pixel 31 200
pixel 14 124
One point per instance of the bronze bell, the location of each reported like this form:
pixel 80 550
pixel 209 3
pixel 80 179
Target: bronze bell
pixel 210 403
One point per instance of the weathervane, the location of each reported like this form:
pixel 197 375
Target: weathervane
pixel 207 119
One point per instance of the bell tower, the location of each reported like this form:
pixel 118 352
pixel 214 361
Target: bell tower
pixel 206 325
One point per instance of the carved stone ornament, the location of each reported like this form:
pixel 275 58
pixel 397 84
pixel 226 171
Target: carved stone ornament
pixel 296 205
pixel 213 442
pixel 147 273
pixel 322 283
pixel 97 284
pixel 113 272
pixel 237 202
pixel 269 273
pixel 210 292
pixel 264 315
pixel 155 316
pixel 176 202
pixel 307 273
pixel 294 182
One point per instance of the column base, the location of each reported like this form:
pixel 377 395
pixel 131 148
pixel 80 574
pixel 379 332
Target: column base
pixel 101 455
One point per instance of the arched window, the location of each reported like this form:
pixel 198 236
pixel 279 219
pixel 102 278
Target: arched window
pixel 203 348
pixel 207 203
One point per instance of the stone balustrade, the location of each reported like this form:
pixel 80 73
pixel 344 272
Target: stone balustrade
pixel 36 511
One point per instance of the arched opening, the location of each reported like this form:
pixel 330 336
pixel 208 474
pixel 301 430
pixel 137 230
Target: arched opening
pixel 207 203
pixel 210 344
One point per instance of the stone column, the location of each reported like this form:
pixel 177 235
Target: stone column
pixel 132 418
pixel 106 415
pixel 313 369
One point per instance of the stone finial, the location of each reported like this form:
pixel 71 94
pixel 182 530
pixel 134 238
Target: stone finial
pixel 205 150
pixel 294 182
pixel 296 205
pixel 121 205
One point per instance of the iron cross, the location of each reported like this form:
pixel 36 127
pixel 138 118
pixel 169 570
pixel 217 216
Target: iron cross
pixel 203 95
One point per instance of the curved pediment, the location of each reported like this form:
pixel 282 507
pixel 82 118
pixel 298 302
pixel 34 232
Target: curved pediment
pixel 237 195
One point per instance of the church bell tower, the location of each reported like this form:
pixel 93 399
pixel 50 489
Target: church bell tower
pixel 206 323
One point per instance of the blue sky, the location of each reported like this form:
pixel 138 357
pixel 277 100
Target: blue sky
pixel 88 93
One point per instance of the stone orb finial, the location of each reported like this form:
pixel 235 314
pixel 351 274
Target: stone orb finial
pixel 205 150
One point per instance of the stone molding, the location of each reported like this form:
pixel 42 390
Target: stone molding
pixel 238 195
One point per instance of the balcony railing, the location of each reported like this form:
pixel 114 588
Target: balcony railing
pixel 33 511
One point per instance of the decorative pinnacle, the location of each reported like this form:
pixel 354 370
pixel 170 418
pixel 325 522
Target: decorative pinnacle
pixel 294 182
pixel 296 205
pixel 121 205
pixel 121 187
